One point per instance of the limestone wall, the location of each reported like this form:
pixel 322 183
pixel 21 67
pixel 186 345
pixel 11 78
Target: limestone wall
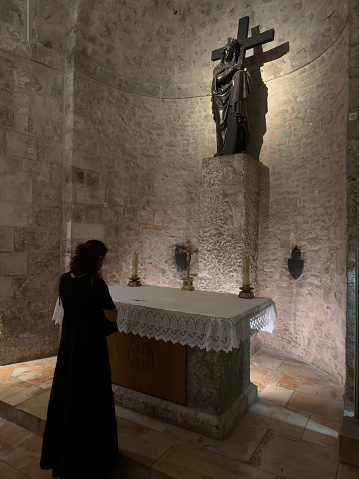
pixel 150 62
pixel 303 203
pixel 146 193
pixel 31 152
pixel 116 95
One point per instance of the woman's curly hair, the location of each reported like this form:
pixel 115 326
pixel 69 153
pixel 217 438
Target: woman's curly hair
pixel 87 258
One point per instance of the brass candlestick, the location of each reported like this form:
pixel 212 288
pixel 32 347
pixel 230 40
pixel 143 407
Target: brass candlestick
pixel 134 281
pixel 187 284
pixel 246 292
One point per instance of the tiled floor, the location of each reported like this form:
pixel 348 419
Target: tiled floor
pixel 291 432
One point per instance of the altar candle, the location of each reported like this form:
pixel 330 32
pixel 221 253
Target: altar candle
pixel 246 272
pixel 134 265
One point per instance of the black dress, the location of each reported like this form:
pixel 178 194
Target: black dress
pixel 80 437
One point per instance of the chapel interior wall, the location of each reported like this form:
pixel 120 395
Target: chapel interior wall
pixel 142 124
pixel 31 172
pixel 303 204
pixel 146 163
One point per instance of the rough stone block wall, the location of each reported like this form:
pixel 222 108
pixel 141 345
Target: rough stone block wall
pixel 303 203
pixel 122 107
pixel 31 147
pixel 147 70
pixel 146 165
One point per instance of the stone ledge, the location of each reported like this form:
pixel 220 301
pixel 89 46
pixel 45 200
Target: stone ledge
pixel 216 426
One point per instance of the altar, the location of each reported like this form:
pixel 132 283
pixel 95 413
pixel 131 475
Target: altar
pixel 184 357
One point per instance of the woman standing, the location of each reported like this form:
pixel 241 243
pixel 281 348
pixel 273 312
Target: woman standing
pixel 80 437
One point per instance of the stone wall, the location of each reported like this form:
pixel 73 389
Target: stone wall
pixel 116 95
pixel 146 68
pixel 352 200
pixel 303 203
pixel 144 191
pixel 31 152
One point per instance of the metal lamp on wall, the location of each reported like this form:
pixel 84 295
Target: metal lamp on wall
pixel 295 263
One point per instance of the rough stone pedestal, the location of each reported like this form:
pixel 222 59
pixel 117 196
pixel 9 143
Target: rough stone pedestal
pixel 229 206
pixel 349 442
pixel 218 392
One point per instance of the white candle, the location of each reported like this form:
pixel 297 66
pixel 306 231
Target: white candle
pixel 134 265
pixel 246 272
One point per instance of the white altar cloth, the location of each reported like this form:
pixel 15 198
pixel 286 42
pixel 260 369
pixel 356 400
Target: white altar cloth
pixel 214 321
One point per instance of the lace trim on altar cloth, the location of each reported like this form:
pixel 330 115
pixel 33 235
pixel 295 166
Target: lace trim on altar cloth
pixel 206 332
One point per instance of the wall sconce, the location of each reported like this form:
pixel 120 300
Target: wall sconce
pixel 295 264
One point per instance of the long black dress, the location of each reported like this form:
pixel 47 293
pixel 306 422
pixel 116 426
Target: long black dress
pixel 80 437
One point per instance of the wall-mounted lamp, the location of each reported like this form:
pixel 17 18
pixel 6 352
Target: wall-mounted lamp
pixel 295 264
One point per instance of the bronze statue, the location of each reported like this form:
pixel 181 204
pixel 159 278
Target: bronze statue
pixel 230 88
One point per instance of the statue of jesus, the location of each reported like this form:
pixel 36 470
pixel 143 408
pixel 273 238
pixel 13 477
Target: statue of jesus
pixel 230 87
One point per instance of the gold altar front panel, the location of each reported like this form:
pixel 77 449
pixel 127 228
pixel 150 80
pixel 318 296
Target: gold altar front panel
pixel 157 368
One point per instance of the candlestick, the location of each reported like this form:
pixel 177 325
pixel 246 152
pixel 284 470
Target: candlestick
pixel 246 290
pixel 246 272
pixel 134 280
pixel 134 265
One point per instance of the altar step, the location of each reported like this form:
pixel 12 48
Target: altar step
pixel 291 432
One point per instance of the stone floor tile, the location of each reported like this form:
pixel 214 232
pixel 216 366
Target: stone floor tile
pixel 13 391
pixel 130 469
pixel 295 459
pixel 262 415
pixel 39 374
pixel 276 395
pixel 37 406
pixel 347 472
pixel 240 443
pixel 262 377
pixel 34 471
pixel 322 431
pixel 312 386
pixel 299 368
pixel 140 443
pixel 22 453
pixel 6 371
pixel 8 472
pixel 316 406
pixel 185 461
pixel 10 434
pixel 183 434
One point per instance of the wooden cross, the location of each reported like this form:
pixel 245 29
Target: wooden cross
pixel 244 42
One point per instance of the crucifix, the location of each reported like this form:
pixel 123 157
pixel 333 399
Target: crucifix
pixel 231 85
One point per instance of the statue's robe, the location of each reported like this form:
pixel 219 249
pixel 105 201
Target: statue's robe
pixel 228 106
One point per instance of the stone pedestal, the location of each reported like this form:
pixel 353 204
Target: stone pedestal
pixel 229 206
